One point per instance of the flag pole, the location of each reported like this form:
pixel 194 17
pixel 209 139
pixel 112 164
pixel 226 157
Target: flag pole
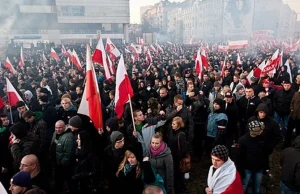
pixel 11 117
pixel 131 111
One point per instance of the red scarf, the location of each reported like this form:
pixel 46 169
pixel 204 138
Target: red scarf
pixel 159 150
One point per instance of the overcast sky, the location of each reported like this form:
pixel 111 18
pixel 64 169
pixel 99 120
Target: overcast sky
pixel 136 4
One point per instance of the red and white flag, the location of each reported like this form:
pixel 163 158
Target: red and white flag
pixel 54 54
pixel 112 50
pixel 21 63
pixel 223 49
pixel 123 92
pixel 169 43
pixel 75 60
pixel 44 58
pixel 295 46
pixel 240 44
pixel 126 50
pixel 69 54
pixel 159 48
pixel 225 180
pixel 152 48
pixel 204 59
pixel 149 57
pixel 90 104
pixel 199 65
pixel 142 43
pixel 99 56
pixel 273 63
pixel 135 51
pixel 111 66
pixel 12 94
pixel 223 67
pixel 9 66
pixel 63 50
pixel 238 60
pixel 287 64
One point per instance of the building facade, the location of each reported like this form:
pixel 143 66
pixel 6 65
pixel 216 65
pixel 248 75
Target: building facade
pixel 67 21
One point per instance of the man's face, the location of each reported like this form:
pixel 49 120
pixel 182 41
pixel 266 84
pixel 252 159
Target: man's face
pixel 261 114
pixel 235 79
pixel 298 79
pixel 287 87
pixel 119 144
pixel 228 100
pixel 205 77
pixel 15 189
pixel 21 109
pixel 78 91
pixel 163 93
pixel 216 106
pixel 5 121
pixel 139 116
pixel 249 92
pixel 29 119
pixel 216 162
pixel 27 166
pixel 59 128
pixel 178 102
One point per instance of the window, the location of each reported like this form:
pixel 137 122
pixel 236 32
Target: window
pixel 71 10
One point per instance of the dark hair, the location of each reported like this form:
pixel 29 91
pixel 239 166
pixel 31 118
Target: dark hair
pixel 20 104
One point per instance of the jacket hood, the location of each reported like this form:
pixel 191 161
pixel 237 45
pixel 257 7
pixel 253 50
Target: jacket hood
pixel 38 115
pixel 262 107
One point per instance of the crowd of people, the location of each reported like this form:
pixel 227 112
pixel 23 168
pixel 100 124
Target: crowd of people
pixel 47 147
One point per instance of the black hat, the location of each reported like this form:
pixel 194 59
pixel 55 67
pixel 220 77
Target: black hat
pixel 22 179
pixel 19 130
pixel 20 104
pixel 221 152
pixel 137 150
pixel 28 114
pixel 75 121
pixel 219 101
pixel 228 95
pixel 44 91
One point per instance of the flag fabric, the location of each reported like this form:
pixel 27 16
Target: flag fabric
pixel 12 94
pixel 258 71
pixel 54 54
pixel 159 48
pixel 112 50
pixel 21 63
pixel 272 64
pixel 132 58
pixel 9 66
pixel 126 50
pixel 63 50
pixel 204 59
pixel 149 57
pixel 169 43
pixel 223 49
pixel 295 46
pixel 69 54
pixel 238 60
pixel 2 189
pixel 111 66
pixel 44 58
pixel 75 60
pixel 225 180
pixel 240 44
pixel 123 89
pixel 152 48
pixel 135 51
pixel 90 104
pixel 287 64
pixel 99 56
pixel 199 65
pixel 223 68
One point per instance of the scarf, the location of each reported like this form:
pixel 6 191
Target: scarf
pixel 159 150
pixel 127 168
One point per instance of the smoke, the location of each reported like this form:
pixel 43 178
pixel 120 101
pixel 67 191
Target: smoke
pixel 161 37
pixel 8 11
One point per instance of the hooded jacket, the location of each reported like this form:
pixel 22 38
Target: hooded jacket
pixel 291 166
pixel 271 132
pixel 39 128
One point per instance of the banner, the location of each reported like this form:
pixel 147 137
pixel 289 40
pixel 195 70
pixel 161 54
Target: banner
pixel 238 18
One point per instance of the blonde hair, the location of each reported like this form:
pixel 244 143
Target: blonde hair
pixel 66 96
pixel 122 164
pixel 66 100
pixel 157 135
pixel 179 121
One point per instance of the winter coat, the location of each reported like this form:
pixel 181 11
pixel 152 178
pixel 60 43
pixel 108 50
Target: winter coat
pixel 176 141
pixel 271 132
pixel 27 145
pixel 163 165
pixel 4 147
pixel 295 106
pixel 64 145
pixel 49 115
pixel 282 102
pixel 39 128
pixel 247 107
pixel 66 115
pixel 199 108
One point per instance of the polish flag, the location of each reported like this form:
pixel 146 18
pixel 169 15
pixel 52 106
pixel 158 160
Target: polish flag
pixel 54 54
pixel 223 68
pixel 44 58
pixel 90 104
pixel 223 49
pixel 69 54
pixel 112 50
pixel 63 49
pixel 273 63
pixel 12 94
pixel 240 44
pixel 295 46
pixel 21 63
pixel 199 65
pixel 225 180
pixel 148 57
pixel 287 64
pixel 159 48
pixel 75 60
pixel 257 72
pixel 238 60
pixel 152 48
pixel 123 90
pixel 111 66
pixel 127 51
pixel 204 59
pixel 135 51
pixel 100 57
pixel 169 43
pixel 9 66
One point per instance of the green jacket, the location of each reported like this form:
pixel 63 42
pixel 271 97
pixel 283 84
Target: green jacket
pixel 65 147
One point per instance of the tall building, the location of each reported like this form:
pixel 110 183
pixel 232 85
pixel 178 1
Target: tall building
pixel 68 21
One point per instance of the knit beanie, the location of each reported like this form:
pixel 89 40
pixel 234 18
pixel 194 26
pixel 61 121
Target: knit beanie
pixel 19 130
pixel 254 79
pixel 43 98
pixel 114 136
pixel 75 121
pixel 22 179
pixel 219 101
pixel 239 87
pixel 220 151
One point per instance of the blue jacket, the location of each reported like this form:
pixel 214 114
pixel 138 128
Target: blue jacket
pixel 212 123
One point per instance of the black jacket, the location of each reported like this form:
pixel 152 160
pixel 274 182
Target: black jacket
pixel 282 101
pixel 247 107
